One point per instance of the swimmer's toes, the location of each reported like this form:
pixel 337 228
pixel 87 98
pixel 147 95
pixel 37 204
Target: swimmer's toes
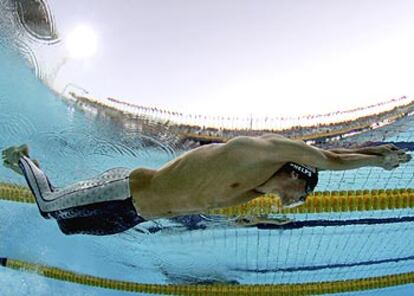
pixel 24 149
pixel 7 151
pixel 36 162
pixel 10 165
pixel 21 150
pixel 15 168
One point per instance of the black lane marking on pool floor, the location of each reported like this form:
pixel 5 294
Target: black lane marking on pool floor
pixel 401 144
pixel 326 266
pixel 326 223
pixel 192 224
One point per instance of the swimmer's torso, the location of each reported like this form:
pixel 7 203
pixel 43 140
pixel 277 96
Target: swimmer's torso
pixel 211 176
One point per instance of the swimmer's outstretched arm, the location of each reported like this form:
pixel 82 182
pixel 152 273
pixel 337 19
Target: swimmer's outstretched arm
pixel 279 149
pixel 387 157
pixel 371 150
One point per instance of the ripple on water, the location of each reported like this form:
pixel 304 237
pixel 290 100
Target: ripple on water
pixel 29 55
pixel 14 126
pixel 61 143
pixel 143 145
pixel 80 143
pixel 8 5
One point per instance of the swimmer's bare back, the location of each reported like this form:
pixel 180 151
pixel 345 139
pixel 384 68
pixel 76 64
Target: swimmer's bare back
pixel 223 175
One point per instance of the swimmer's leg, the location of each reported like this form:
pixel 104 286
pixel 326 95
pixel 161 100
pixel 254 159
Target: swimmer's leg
pixel 98 206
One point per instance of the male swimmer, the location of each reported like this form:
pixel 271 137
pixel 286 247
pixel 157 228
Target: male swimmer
pixel 208 177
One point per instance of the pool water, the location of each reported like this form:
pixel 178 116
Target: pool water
pixel 72 145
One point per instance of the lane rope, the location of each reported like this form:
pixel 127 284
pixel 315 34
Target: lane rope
pixel 315 288
pixel 318 202
pixel 335 201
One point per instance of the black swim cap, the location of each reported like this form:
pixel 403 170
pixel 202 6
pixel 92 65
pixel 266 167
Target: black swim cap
pixel 310 174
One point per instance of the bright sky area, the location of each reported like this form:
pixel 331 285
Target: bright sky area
pixel 237 57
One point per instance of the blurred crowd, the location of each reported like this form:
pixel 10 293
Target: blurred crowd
pixel 217 129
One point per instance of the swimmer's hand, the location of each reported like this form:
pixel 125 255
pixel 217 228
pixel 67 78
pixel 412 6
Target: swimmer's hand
pixel 253 221
pixel 390 156
pixel 12 155
pixel 383 149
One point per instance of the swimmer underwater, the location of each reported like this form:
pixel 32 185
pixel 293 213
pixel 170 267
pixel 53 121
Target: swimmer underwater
pixel 208 177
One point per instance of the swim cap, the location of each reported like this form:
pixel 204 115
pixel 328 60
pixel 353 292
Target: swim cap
pixel 310 174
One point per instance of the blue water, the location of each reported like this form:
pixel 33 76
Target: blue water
pixel 73 145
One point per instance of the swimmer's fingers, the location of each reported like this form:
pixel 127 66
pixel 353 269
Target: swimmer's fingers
pixel 280 221
pixel 404 157
pixel 391 147
pixel 401 151
pixel 393 159
pixel 245 221
pixel 257 220
pixel 8 151
pixel 384 149
pixel 389 161
pixel 276 221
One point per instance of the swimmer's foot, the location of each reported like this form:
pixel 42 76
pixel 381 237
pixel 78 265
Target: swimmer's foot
pixel 12 155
